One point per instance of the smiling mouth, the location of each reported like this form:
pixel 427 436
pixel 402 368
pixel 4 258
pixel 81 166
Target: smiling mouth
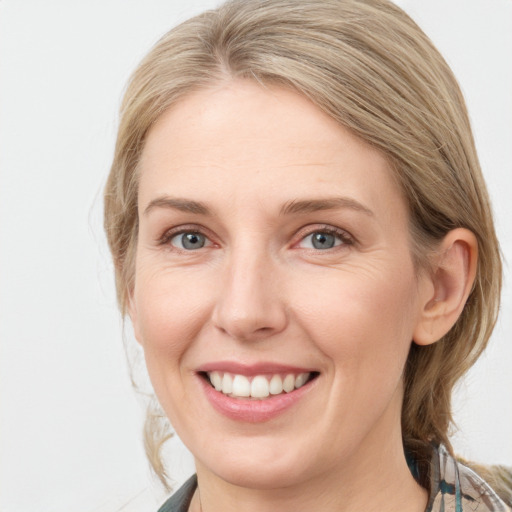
pixel 258 387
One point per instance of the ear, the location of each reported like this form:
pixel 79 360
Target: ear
pixel 451 282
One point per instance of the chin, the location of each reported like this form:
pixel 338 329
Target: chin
pixel 259 476
pixel 260 468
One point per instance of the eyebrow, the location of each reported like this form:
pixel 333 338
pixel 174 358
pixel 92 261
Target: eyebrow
pixel 175 203
pixel 292 207
pixel 331 203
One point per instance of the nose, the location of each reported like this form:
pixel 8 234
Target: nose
pixel 250 304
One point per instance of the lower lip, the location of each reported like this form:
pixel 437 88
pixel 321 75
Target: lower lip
pixel 253 411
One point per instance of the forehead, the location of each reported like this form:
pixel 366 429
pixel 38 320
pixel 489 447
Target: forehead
pixel 242 138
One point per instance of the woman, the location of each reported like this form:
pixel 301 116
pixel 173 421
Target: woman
pixel 304 244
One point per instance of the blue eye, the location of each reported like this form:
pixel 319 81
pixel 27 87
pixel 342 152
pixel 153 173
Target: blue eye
pixel 322 240
pixel 189 241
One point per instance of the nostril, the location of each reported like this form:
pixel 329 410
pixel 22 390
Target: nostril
pixel 248 308
pixel 247 329
pixel 265 330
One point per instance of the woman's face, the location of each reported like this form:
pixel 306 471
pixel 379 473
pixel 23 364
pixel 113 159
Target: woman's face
pixel 273 252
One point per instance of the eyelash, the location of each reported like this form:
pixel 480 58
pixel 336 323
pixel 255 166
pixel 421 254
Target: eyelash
pixel 342 235
pixel 166 238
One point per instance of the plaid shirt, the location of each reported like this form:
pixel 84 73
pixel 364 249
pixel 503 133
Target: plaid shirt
pixel 457 488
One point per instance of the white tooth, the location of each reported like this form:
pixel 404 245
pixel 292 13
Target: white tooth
pixel 227 384
pixel 259 387
pixel 276 385
pixel 216 380
pixel 301 380
pixel 289 383
pixel 241 386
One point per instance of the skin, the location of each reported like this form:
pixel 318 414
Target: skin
pixel 259 291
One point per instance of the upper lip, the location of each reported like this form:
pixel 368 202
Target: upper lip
pixel 251 369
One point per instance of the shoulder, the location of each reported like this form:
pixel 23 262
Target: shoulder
pixel 456 488
pixel 180 500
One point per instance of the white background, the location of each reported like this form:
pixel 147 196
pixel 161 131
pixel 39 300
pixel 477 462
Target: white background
pixel 70 423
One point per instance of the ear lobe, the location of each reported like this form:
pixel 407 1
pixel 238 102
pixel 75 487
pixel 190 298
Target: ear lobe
pixel 452 279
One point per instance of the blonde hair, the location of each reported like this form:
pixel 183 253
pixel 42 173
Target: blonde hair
pixel 371 68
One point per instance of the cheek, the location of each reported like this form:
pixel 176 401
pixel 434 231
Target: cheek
pixel 362 319
pixel 172 307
